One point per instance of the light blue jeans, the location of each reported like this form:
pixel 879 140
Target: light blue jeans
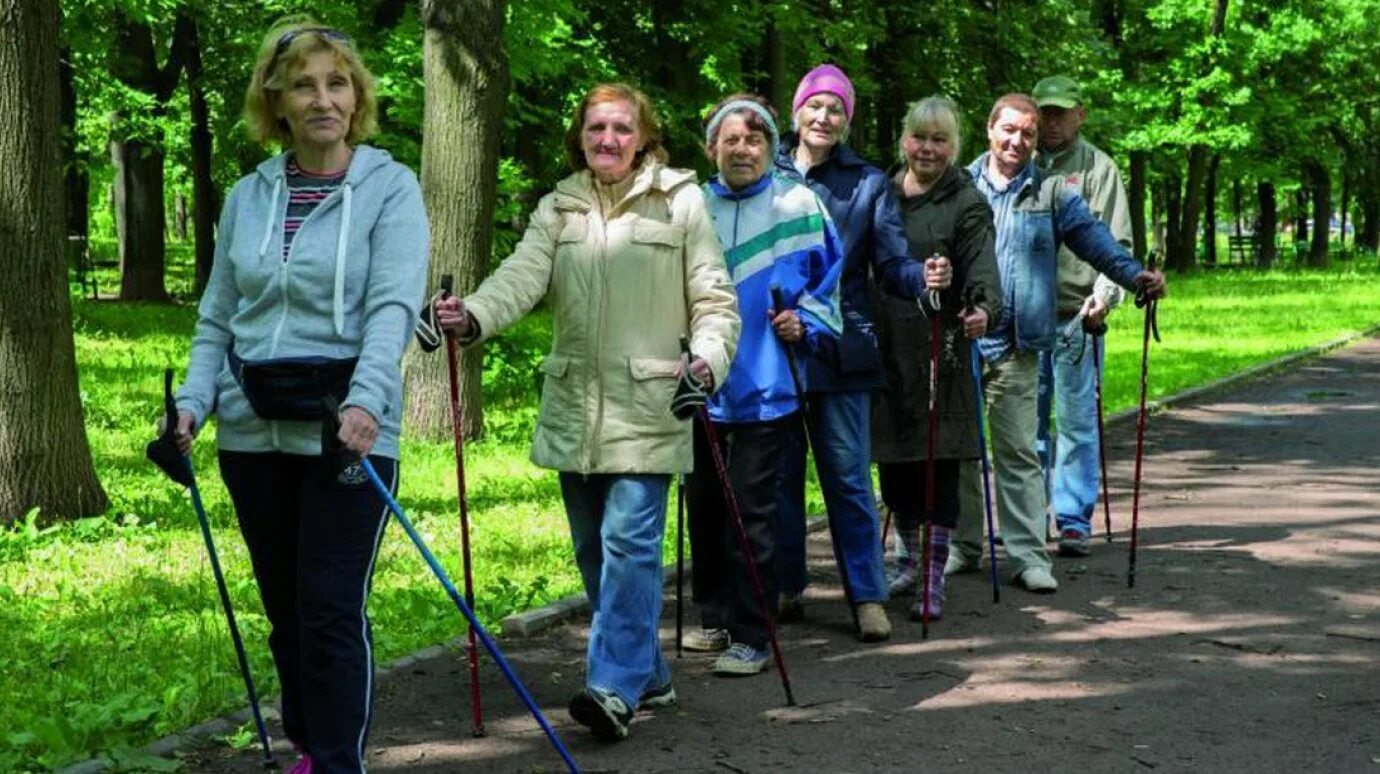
pixel 1075 477
pixel 842 441
pixel 617 523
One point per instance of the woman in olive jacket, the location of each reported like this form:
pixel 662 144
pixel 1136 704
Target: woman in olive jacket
pixel 946 219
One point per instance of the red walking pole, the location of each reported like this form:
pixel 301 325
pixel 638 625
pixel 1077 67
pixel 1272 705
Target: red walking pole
pixel 457 422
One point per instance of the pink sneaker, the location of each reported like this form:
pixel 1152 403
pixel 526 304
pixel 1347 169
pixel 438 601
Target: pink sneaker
pixel 303 765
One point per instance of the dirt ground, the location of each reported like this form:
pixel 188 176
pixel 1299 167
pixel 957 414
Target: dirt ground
pixel 1251 641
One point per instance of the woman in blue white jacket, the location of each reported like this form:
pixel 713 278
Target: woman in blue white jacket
pixel 319 273
pixel 774 233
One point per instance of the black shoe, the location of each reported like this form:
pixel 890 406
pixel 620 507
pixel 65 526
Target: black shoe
pixel 606 715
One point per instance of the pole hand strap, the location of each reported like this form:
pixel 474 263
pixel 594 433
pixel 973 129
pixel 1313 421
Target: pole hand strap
pixel 428 331
pixel 690 391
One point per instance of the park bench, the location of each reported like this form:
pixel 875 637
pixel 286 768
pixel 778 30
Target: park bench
pixel 1242 249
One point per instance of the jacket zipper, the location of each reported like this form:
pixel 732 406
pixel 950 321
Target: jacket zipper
pixel 283 272
pixel 598 339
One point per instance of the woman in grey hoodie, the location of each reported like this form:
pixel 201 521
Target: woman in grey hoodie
pixel 319 273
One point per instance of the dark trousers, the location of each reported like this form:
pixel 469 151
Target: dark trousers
pixel 720 580
pixel 313 539
pixel 903 491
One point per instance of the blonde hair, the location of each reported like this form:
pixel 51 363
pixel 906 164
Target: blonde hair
pixel 647 124
pixel 273 69
pixel 936 111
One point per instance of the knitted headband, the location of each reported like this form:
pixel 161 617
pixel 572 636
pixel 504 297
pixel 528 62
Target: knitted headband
pixel 739 104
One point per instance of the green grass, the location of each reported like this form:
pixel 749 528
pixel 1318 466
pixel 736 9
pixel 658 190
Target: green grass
pixel 110 633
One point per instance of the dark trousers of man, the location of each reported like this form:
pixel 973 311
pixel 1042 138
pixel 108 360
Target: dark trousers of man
pixel 722 585
pixel 313 538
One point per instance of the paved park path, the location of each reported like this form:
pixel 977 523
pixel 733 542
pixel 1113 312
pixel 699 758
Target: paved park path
pixel 1251 642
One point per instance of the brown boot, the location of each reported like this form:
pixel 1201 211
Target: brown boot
pixel 873 625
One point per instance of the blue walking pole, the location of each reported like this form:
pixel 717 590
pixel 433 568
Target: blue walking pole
pixel 986 471
pixel 459 601
pixel 164 453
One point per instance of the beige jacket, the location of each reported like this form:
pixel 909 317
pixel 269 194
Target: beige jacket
pixel 625 280
pixel 1093 174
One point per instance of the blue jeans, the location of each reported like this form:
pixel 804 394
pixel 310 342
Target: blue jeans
pixel 841 435
pixel 1074 478
pixel 617 523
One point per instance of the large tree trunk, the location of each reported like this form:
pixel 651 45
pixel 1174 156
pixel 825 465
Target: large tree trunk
pixel 1137 203
pixel 1322 215
pixel 1210 212
pixel 205 198
pixel 1267 224
pixel 45 461
pixel 466 70
pixel 778 84
pixel 1301 214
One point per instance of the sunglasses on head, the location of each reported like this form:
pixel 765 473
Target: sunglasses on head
pixel 286 40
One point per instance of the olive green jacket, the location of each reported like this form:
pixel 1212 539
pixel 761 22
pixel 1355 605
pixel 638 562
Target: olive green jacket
pixel 623 286
pixel 1093 174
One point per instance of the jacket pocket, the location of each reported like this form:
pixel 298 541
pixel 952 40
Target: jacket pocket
pixel 574 229
pixel 560 397
pixel 654 385
pixel 659 234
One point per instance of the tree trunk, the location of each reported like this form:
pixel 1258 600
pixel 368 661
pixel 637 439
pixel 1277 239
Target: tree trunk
pixel 139 178
pixel 1186 257
pixel 205 198
pixel 1301 214
pixel 76 183
pixel 1322 216
pixel 1210 212
pixel 45 461
pixel 179 217
pixel 1137 203
pixel 1268 224
pixel 1173 221
pixel 466 70
pixel 139 160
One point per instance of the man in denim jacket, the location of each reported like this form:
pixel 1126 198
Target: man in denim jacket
pixel 1034 214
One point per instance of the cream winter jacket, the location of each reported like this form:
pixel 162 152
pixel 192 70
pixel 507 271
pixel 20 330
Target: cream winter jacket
pixel 625 280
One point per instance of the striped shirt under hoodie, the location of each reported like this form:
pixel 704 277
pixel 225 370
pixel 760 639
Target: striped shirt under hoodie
pixel 306 191
pixel 774 232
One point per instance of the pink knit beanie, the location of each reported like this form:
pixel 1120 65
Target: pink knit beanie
pixel 825 78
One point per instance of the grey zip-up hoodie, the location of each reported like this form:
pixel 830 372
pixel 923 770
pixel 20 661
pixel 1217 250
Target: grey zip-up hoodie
pixel 352 286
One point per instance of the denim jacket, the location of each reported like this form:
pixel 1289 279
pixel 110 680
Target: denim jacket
pixel 1035 214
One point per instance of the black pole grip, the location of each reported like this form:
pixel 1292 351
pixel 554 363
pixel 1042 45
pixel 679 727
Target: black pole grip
pixel 778 299
pixel 447 285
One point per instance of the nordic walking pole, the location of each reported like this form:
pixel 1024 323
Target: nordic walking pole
pixel 986 469
pixel 457 423
pixel 680 564
pixel 778 303
pixel 1150 305
pixel 936 330
pixel 1101 434
pixel 737 517
pixel 164 453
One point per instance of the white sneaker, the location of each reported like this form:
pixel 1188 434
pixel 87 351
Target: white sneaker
pixel 706 640
pixel 1037 580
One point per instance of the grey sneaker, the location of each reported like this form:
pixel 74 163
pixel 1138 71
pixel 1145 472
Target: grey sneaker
pixel 706 640
pixel 741 659
pixel 901 580
pixel 1073 543
pixel 656 698
pixel 602 712
pixel 1037 580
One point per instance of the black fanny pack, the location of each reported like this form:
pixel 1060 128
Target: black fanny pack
pixel 292 388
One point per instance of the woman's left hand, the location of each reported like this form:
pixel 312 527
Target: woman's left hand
pixel 700 370
pixel 358 430
pixel 788 326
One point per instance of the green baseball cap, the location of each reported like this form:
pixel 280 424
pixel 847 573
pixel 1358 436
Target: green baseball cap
pixel 1058 91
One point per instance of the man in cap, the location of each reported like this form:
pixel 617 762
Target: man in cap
pixel 1067 371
